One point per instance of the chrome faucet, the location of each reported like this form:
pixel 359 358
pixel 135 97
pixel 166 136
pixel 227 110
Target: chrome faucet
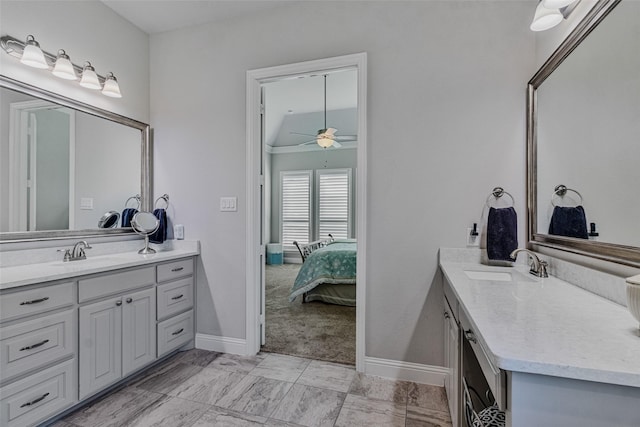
pixel 77 253
pixel 538 267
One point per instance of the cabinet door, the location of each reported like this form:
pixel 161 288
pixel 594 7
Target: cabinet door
pixel 100 345
pixel 452 360
pixel 138 330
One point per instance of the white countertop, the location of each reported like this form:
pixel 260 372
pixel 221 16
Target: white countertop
pixel 21 275
pixel 548 326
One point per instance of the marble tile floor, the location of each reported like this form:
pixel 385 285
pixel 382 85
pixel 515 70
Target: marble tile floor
pixel 198 388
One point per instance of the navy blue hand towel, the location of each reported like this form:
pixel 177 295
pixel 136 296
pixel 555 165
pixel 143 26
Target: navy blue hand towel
pixel 160 234
pixel 127 215
pixel 569 222
pixel 502 233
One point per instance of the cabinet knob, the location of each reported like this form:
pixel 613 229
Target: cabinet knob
pixel 129 300
pixel 118 303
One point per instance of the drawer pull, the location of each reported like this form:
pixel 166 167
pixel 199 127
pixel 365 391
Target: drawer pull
pixel 177 297
pixel 178 332
pixel 469 335
pixel 177 269
pixel 35 301
pixel 30 347
pixel 129 300
pixel 33 402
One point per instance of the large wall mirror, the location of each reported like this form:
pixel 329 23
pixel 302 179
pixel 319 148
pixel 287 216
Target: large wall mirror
pixel 66 165
pixel 584 139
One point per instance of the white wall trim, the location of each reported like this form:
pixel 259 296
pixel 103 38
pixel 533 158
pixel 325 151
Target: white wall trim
pixel 254 248
pixel 406 371
pixel 221 344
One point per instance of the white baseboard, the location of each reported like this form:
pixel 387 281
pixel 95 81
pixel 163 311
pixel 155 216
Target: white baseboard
pixel 406 371
pixel 221 344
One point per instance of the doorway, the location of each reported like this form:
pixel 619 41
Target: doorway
pixel 256 203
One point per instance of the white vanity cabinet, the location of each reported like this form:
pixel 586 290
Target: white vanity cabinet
pixel 175 305
pixel 117 334
pixel 452 359
pixel 38 364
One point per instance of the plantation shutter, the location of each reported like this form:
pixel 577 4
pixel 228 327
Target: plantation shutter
pixel 333 203
pixel 296 207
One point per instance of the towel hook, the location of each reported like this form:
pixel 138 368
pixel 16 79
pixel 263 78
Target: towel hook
pixel 164 197
pixel 561 191
pixel 136 198
pixel 497 193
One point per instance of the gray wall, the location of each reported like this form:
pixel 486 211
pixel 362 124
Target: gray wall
pixel 312 160
pixel 446 108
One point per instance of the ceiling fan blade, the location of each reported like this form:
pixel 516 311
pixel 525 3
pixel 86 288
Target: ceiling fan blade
pixel 346 137
pixel 313 141
pixel 336 144
pixel 330 131
pixel 298 133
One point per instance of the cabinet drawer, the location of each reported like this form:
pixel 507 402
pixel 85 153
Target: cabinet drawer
pixel 115 283
pixel 38 397
pixel 175 297
pixel 175 332
pixel 25 303
pixel 173 270
pixel 35 343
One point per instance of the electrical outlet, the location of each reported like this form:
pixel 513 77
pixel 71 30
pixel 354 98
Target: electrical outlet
pixel 473 240
pixel 178 231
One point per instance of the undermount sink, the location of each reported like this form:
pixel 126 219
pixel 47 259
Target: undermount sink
pixel 500 276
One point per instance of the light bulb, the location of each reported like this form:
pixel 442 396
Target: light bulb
pixel 64 67
pixel 556 4
pixel 90 78
pixel 32 54
pixel 545 18
pixel 324 141
pixel 111 87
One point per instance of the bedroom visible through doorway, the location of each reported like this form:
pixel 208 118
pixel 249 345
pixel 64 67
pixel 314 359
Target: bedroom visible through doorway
pixel 309 196
pixel 259 177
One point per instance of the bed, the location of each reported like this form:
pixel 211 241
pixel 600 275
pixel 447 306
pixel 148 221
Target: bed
pixel 328 274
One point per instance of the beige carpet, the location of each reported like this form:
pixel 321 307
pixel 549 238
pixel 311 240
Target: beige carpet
pixel 315 330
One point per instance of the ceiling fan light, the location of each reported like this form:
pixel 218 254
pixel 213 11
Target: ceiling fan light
pixel 64 67
pixel 545 19
pixel 557 4
pixel 324 141
pixel 89 77
pixel 32 54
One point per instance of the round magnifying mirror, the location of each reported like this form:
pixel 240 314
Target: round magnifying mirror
pixel 145 223
pixel 109 220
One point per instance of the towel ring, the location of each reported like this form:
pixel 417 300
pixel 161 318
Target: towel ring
pixel 136 198
pixel 164 197
pixel 561 191
pixel 497 193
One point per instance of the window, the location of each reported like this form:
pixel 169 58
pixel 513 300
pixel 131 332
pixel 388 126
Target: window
pixel 308 215
pixel 295 211
pixel 333 197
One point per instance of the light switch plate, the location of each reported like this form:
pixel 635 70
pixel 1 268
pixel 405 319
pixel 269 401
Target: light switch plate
pixel 178 231
pixel 86 203
pixel 228 204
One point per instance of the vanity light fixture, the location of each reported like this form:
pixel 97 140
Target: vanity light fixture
pixel 550 13
pixel 30 53
pixel 64 67
pixel 89 77
pixel 111 87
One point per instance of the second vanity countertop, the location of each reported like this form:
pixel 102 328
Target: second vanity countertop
pixel 22 275
pixel 548 326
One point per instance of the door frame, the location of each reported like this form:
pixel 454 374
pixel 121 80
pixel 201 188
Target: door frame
pixel 19 133
pixel 255 246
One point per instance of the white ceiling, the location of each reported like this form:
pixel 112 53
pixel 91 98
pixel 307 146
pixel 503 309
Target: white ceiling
pixel 156 16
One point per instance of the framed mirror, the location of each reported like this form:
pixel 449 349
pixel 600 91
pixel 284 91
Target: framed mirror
pixel 65 164
pixel 583 110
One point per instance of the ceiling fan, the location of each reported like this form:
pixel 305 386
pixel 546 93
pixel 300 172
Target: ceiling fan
pixel 326 137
